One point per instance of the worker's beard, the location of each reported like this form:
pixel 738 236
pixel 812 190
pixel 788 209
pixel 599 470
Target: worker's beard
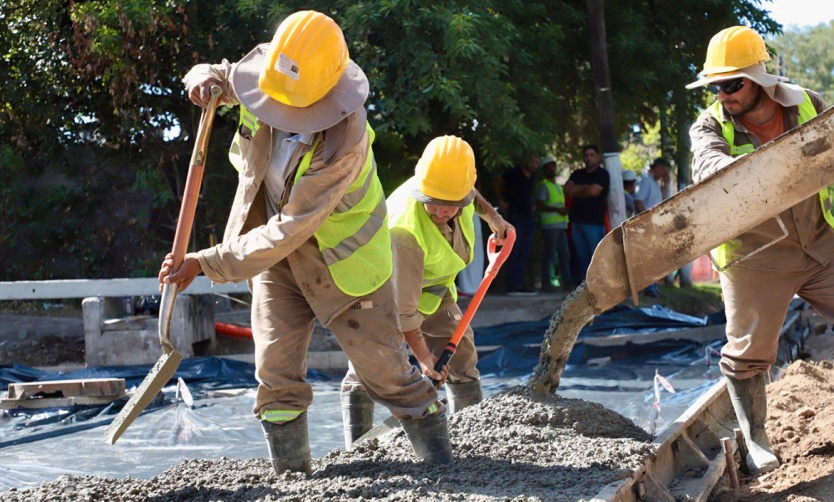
pixel 753 104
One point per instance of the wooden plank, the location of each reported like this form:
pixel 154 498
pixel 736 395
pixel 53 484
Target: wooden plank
pixel 84 288
pixel 81 387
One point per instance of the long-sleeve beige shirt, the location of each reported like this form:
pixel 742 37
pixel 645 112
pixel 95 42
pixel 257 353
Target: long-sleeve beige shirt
pixel 409 267
pixel 252 242
pixel 809 236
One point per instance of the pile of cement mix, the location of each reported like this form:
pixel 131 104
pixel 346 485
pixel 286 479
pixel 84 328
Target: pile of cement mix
pixel 508 447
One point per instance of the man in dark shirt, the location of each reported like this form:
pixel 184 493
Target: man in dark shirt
pixel 514 191
pixel 589 189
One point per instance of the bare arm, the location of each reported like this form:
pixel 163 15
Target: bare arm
pixel 496 222
pixel 427 360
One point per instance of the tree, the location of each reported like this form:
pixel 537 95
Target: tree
pixel 95 125
pixel 806 56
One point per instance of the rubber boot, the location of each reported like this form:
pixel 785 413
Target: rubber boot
pixel 430 438
pixel 357 415
pixel 461 395
pixel 289 446
pixel 750 404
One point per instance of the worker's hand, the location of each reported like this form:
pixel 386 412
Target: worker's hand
pixel 183 276
pixel 199 90
pixel 427 364
pixel 499 227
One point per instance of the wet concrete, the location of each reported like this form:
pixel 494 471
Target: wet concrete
pixel 508 447
pixel 565 325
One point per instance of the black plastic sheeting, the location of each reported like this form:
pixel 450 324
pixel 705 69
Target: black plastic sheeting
pixel 519 343
pixel 209 372
pixel 517 352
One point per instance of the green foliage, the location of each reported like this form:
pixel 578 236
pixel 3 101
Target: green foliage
pixel 642 149
pixel 92 103
pixel 807 57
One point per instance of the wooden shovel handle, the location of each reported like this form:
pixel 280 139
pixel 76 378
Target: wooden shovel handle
pixel 191 193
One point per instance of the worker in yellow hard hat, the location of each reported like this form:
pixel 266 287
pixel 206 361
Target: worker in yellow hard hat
pixel 432 232
pixel 308 228
pixel 762 269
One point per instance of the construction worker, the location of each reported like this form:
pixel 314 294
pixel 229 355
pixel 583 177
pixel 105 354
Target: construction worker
pixel 433 236
pixel 309 230
pixel 752 108
pixel 553 217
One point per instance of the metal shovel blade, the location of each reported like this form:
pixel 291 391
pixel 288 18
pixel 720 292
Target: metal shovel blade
pixel 387 425
pixel 160 374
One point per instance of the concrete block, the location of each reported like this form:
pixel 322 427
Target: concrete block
pixel 133 340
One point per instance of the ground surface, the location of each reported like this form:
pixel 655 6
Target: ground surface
pixel 595 445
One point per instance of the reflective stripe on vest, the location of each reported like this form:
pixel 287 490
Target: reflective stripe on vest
pixel 354 240
pixel 441 264
pixel 275 416
pixel 556 197
pixel 247 127
pixel 724 253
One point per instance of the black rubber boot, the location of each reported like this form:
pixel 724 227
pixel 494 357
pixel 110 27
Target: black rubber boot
pixel 750 404
pixel 430 438
pixel 289 446
pixel 461 395
pixel 357 415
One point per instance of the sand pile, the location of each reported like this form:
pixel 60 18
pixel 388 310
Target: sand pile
pixel 508 447
pixel 800 423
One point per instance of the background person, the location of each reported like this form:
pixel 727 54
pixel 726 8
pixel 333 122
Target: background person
pixel 589 188
pixel 553 217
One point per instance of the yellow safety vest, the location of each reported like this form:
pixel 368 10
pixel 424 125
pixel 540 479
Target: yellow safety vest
pixel 441 264
pixel 723 254
pixel 556 197
pixel 354 240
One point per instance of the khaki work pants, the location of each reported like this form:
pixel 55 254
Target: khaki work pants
pixel 757 302
pixel 288 297
pixel 437 329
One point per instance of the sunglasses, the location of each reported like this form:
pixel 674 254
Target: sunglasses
pixel 728 87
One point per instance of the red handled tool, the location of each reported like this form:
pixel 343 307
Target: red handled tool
pixel 496 259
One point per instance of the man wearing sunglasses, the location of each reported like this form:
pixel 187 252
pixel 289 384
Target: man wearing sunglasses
pixel 753 107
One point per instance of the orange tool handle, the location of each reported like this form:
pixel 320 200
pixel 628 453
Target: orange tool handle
pixel 496 259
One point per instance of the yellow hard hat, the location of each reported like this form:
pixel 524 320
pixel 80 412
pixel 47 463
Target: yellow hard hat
pixel 445 174
pixel 734 48
pixel 305 60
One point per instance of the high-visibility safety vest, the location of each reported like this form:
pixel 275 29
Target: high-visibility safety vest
pixel 441 264
pixel 354 240
pixel 555 197
pixel 724 253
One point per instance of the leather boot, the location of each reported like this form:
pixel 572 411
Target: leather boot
pixel 289 446
pixel 461 395
pixel 430 438
pixel 750 404
pixel 357 415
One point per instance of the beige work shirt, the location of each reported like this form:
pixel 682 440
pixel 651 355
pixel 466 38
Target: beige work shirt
pixel 810 239
pixel 252 242
pixel 409 267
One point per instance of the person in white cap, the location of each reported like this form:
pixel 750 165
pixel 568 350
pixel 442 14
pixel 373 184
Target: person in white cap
pixel 553 218
pixel 433 237
pixel 752 108
pixel 309 230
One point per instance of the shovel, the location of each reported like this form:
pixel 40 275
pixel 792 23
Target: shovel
pixel 496 259
pixel 167 364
